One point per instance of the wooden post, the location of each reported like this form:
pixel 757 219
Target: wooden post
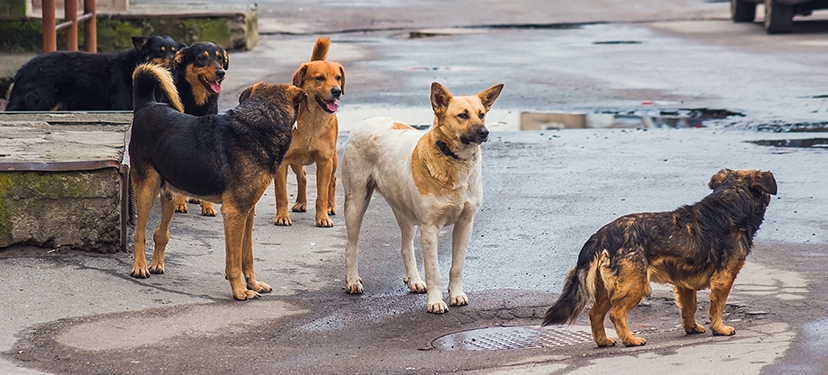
pixel 49 32
pixel 71 16
pixel 90 29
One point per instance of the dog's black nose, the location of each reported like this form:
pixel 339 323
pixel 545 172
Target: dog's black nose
pixel 220 73
pixel 336 92
pixel 483 133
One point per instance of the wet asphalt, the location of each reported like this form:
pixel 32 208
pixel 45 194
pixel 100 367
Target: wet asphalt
pixel 545 192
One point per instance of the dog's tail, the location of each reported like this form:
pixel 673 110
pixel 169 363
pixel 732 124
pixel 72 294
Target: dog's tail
pixel 578 290
pixel 144 80
pixel 320 49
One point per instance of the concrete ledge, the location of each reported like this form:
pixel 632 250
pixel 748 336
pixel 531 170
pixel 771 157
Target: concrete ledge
pixel 61 181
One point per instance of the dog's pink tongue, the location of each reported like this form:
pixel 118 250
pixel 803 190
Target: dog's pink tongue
pixel 332 105
pixel 215 86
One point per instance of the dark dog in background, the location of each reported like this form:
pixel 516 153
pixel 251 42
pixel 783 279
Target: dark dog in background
pixel 198 71
pixel 699 246
pixel 83 81
pixel 229 158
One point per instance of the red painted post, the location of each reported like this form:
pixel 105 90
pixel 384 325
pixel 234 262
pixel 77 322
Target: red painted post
pixel 70 8
pixel 49 32
pixel 90 29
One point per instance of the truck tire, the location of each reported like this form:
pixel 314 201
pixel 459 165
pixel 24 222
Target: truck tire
pixel 742 11
pixel 778 17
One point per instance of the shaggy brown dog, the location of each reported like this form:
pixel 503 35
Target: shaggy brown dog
pixel 314 139
pixel 228 158
pixel 695 247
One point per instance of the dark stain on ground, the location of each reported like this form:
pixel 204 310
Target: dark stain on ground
pixel 820 143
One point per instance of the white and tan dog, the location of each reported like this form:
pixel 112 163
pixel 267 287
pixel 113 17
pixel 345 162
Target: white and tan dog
pixel 430 180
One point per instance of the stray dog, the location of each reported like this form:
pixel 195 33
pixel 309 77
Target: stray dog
pixel 198 71
pixel 314 138
pixel 430 180
pixel 699 246
pixel 83 81
pixel 228 158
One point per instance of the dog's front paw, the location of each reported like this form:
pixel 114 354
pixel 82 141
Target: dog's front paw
pixel 300 207
pixel 635 341
pixel 207 209
pixel 181 207
pixel 415 285
pixel 245 294
pixel 194 200
pixel 693 330
pixel 139 273
pixel 283 221
pixel 723 330
pixel 354 286
pixel 605 342
pixel 459 300
pixel 332 211
pixel 157 269
pixel 439 307
pixel 258 286
pixel 324 222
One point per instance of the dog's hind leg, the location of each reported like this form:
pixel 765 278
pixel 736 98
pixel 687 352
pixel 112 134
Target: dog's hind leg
pixel 332 189
pixel 412 276
pixel 358 192
pixel 180 203
pixel 324 171
pixel 687 302
pixel 247 257
pixel 301 204
pixel 631 286
pixel 235 225
pixel 720 284
pixel 146 188
pixel 207 208
pixel 428 236
pixel 460 238
pixel 597 314
pixel 161 236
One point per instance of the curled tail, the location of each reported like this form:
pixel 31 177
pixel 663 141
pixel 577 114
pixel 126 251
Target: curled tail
pixel 320 49
pixel 578 290
pixel 144 80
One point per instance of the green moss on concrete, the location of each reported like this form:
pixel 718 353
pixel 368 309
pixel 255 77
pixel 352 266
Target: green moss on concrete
pixel 5 217
pixel 116 34
pixel 12 8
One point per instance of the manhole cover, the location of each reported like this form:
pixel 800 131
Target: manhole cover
pixel 498 338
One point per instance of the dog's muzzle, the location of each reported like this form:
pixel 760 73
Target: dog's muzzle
pixel 476 134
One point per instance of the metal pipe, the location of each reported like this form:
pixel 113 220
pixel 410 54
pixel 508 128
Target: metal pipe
pixel 70 14
pixel 49 31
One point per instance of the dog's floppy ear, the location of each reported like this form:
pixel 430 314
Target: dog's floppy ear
pixel 488 96
pixel 247 93
pixel 440 98
pixel 226 60
pixel 139 42
pixel 765 182
pixel 299 97
pixel 299 76
pixel 179 58
pixel 342 83
pixel 719 178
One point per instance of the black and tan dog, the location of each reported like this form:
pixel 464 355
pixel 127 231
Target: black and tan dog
pixel 228 158
pixel 198 71
pixel 699 246
pixel 82 81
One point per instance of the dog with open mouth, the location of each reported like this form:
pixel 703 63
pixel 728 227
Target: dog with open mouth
pixel 314 138
pixel 198 71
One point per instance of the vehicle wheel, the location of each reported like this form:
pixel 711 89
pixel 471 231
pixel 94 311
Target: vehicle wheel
pixel 778 17
pixel 742 11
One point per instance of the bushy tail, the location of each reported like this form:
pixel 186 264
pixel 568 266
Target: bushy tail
pixel 578 290
pixel 144 80
pixel 320 49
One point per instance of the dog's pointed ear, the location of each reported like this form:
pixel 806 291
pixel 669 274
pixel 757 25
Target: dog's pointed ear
pixel 440 98
pixel 488 96
pixel 342 83
pixel 139 42
pixel 226 60
pixel 178 59
pixel 247 93
pixel 299 76
pixel 766 182
pixel 719 178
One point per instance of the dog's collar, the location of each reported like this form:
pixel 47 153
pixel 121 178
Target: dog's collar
pixel 446 151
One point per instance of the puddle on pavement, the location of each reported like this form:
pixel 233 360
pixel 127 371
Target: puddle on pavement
pixel 821 143
pixel 500 338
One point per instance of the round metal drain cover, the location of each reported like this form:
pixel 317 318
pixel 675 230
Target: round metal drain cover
pixel 498 338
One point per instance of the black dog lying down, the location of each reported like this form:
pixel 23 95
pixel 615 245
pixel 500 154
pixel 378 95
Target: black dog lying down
pixel 699 246
pixel 227 158
pixel 83 81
